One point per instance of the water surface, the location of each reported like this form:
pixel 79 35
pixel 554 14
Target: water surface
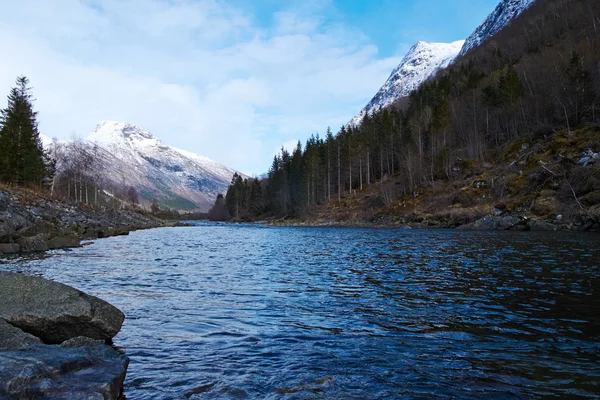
pixel 242 311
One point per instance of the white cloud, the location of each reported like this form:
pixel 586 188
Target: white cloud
pixel 200 75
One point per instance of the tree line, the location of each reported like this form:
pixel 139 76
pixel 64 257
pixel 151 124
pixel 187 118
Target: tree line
pixel 538 75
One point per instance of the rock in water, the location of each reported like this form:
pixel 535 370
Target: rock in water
pixel 12 338
pixel 32 243
pixel 55 312
pixel 55 372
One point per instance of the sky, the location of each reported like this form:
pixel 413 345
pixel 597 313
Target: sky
pixel 234 80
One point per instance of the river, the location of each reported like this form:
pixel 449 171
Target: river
pixel 220 311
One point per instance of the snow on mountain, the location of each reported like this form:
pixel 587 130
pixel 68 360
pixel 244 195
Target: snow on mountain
pixel 125 155
pixel 504 12
pixel 421 62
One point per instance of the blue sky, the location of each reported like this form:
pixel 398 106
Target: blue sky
pixel 230 79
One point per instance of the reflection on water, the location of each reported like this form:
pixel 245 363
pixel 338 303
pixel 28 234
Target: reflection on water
pixel 241 311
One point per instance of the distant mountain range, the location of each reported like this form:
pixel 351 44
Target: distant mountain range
pixel 124 155
pixel 424 59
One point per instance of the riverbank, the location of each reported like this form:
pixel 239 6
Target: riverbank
pixel 551 182
pixel 32 221
pixel 480 219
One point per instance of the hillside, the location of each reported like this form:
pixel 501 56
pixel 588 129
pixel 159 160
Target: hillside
pixel 511 128
pixel 524 189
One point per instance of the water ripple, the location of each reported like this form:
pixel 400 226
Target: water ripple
pixel 240 311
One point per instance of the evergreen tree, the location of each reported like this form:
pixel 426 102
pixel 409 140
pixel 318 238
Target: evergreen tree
pixel 22 157
pixel 219 211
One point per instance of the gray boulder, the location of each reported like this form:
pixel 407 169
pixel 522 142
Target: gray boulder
pixel 536 225
pixel 12 338
pixel 508 222
pixel 9 248
pixel 485 223
pixel 55 312
pixel 80 341
pixel 55 372
pixel 63 241
pixel 4 232
pixel 15 221
pixel 30 244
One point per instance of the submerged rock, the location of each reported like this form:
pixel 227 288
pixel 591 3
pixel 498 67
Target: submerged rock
pixel 55 372
pixel 55 312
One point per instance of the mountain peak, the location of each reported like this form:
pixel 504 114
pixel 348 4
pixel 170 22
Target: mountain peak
pixel 126 155
pixel 505 11
pixel 116 131
pixel 422 61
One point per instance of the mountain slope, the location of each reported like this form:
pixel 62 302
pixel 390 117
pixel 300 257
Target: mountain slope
pixel 504 12
pixel 421 62
pixel 121 155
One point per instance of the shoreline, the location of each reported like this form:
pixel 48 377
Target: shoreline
pixel 32 222
pixel 485 223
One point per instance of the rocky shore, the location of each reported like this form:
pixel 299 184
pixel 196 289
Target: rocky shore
pixel 487 222
pixel 30 222
pixel 54 342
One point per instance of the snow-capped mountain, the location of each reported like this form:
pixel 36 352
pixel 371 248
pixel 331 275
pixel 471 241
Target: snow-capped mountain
pixel 124 155
pixel 422 61
pixel 504 12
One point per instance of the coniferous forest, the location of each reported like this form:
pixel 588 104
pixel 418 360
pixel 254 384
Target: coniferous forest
pixel 537 82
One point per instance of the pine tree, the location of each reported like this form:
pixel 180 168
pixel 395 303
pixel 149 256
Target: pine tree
pixel 219 211
pixel 22 157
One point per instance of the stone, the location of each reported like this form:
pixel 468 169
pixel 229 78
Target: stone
pixel 508 222
pixel 586 226
pixel 30 244
pixel 12 338
pixel 55 372
pixel 536 225
pixel 3 202
pixel 485 223
pixel 55 312
pixel 4 232
pixel 61 242
pixel 591 199
pixel 80 341
pixel 520 227
pixel 17 221
pixel 9 248
pixel 584 160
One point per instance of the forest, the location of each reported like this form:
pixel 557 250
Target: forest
pixel 538 77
